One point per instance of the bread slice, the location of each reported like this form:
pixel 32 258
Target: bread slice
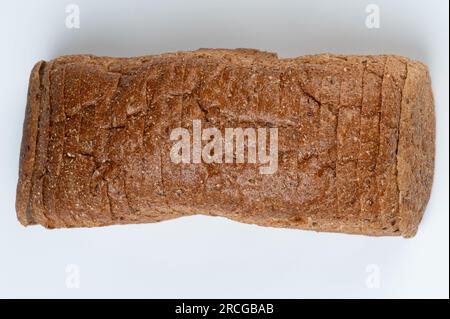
pixel 355 140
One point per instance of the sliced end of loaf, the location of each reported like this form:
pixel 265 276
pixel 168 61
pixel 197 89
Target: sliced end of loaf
pixel 28 146
pixel 416 148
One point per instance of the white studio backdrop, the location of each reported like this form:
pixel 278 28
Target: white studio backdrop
pixel 206 256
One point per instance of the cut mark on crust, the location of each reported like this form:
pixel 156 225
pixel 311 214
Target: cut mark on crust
pixel 397 146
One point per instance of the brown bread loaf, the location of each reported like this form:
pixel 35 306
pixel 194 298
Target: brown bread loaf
pixel 355 140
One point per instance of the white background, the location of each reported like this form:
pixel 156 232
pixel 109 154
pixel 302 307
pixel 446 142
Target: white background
pixel 210 256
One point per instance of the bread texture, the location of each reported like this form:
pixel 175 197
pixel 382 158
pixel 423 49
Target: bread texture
pixel 356 139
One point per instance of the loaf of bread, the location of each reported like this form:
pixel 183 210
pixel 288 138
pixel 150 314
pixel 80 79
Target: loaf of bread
pixel 354 136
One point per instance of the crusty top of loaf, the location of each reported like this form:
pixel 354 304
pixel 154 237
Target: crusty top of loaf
pixel 389 96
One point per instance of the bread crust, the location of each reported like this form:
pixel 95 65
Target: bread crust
pixel 356 140
pixel 28 146
pixel 416 149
